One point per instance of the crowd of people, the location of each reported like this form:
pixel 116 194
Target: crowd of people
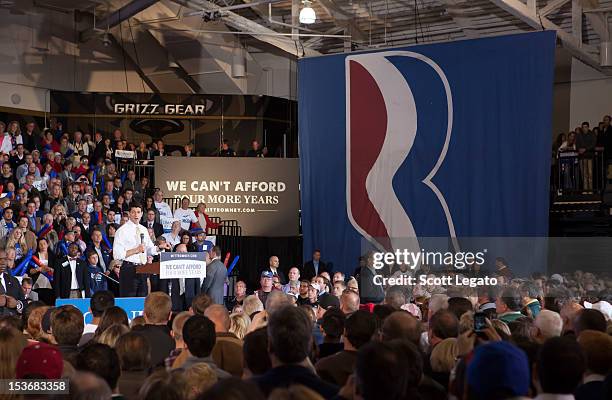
pixel 312 333
pixel 583 156
pixel 69 228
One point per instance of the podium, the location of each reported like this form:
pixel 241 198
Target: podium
pixel 152 268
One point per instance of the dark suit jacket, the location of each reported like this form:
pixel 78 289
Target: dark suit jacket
pixel 62 277
pixel 13 289
pixel 106 254
pixel 308 271
pixel 286 375
pixel 99 152
pixel 157 228
pixel 160 342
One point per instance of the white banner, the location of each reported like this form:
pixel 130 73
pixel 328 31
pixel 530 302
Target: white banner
pixel 182 265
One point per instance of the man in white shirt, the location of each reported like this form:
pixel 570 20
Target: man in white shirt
pixel 185 214
pixel 165 213
pixel 133 246
pixel 174 236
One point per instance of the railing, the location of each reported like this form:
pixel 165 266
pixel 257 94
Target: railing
pixel 576 172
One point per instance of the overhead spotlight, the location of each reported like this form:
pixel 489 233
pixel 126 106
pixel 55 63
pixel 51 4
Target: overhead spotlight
pixel 106 39
pixel 307 14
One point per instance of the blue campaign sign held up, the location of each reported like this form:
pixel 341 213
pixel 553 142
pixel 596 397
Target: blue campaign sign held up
pixel 440 140
pixel 133 306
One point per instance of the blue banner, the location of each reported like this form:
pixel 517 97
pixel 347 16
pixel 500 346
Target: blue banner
pixel 440 140
pixel 133 306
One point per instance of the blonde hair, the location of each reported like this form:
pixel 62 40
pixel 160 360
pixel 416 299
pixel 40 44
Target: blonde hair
pixel 157 307
pixel 111 334
pixel 239 324
pixel 251 304
pixel 57 209
pixel 34 326
pixel 199 378
pixel 11 241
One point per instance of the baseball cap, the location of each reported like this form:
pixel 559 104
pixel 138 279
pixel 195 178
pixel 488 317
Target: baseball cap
pixel 498 366
pixel 316 286
pixel 326 301
pixel 40 359
pixel 267 274
pixel 602 306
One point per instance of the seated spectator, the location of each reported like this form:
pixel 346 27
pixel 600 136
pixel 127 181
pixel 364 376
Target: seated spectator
pixel 157 311
pixel 227 352
pixel 559 368
pixel 359 328
pixel 200 338
pixel 135 360
pixel 289 337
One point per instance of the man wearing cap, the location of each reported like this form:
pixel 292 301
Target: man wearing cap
pixel 71 280
pixel 266 286
pixel 12 298
pixel 216 274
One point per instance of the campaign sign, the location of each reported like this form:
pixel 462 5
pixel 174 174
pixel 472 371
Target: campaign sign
pixel 133 306
pixel 182 265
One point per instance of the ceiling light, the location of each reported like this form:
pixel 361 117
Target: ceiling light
pixel 307 14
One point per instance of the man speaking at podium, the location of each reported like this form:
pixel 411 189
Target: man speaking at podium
pixel 134 247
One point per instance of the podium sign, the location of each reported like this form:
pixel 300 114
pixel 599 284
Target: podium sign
pixel 182 265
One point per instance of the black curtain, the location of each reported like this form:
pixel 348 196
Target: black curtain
pixel 255 252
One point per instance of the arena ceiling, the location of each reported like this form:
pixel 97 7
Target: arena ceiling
pixel 176 29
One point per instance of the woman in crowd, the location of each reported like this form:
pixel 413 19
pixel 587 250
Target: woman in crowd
pixel 16 242
pixel 40 274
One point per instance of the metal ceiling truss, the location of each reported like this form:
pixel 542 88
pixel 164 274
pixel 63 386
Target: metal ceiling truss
pixel 537 19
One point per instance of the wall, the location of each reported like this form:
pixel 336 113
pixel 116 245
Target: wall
pixel 591 95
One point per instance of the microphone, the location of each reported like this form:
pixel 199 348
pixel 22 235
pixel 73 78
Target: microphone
pixel 143 259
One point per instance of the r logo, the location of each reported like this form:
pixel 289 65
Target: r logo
pixel 381 128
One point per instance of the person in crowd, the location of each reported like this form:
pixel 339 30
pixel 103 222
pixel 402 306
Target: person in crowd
pixel 100 301
pixel 67 328
pixel 179 344
pixel 26 287
pixel 314 267
pixel 71 277
pixel 97 277
pixel 273 266
pixel 226 150
pixel 559 368
pixel 41 273
pixel 597 349
pixel 289 342
pixel 12 299
pixel 102 361
pixel 349 302
pixel 151 223
pixel 185 215
pixel 204 220
pixel 227 352
pixel 294 280
pixel 216 273
pixel 134 355
pixel 240 293
pixel 200 338
pixel 266 286
pixel 157 312
pixel 509 304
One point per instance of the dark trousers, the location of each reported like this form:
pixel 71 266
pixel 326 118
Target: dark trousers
pixel 131 283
